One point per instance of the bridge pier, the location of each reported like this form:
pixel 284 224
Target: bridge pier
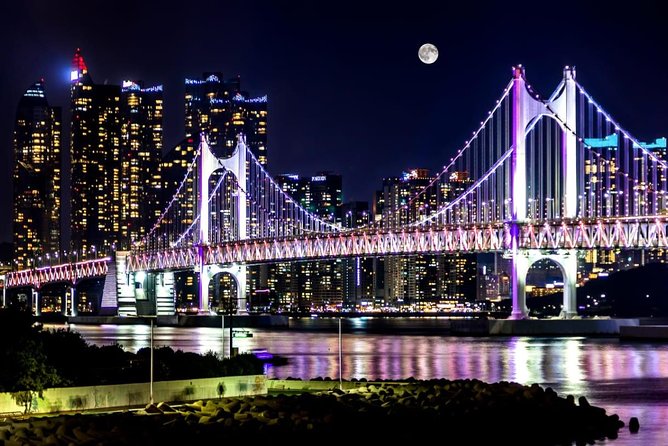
pixel 518 278
pixel 74 311
pixel 238 273
pixel 566 260
pixel 3 279
pixel 34 302
pixel 526 110
pixel 204 280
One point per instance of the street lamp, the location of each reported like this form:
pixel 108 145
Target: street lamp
pixel 150 386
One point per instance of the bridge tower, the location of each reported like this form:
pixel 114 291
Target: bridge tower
pixel 235 165
pixel 526 109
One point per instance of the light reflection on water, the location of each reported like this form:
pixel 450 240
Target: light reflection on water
pixel 630 379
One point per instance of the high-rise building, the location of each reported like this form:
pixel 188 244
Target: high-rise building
pixel 221 109
pixel 318 284
pixel 36 177
pixel 141 155
pixel 423 280
pixel 95 144
pixel 409 280
pixel 116 148
pixel 359 273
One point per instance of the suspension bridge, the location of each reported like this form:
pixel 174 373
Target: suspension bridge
pixel 539 178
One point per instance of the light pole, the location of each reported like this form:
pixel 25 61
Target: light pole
pixel 150 385
pixel 340 358
pixel 151 382
pixel 222 333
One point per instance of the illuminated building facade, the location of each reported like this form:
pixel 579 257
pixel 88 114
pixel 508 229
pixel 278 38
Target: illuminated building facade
pixel 141 155
pixel 220 108
pixel 116 144
pixel 223 110
pixel 409 280
pixel 421 282
pixel 359 273
pixel 36 177
pixel 95 144
pixel 310 285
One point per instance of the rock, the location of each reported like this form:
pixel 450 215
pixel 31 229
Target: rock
pixel 634 425
pixel 204 419
pixel 51 440
pixel 81 435
pixel 164 407
pixel 152 408
pixel 582 401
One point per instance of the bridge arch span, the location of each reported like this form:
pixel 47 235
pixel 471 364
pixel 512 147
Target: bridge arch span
pixel 238 274
pixel 567 262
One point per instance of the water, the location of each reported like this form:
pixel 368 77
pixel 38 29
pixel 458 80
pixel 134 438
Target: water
pixel 629 379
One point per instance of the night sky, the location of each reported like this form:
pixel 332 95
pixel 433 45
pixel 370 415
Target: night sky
pixel 347 92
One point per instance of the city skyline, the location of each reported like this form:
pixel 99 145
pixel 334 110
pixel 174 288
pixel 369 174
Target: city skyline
pixel 347 91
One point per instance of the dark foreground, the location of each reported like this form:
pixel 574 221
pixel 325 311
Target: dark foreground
pixel 454 412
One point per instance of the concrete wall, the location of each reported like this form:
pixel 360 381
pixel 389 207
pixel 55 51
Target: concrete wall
pixel 136 395
pixel 559 327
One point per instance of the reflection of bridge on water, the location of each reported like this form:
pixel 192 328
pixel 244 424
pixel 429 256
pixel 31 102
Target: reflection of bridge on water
pixel 541 179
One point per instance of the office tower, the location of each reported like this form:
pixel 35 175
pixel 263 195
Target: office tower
pixel 36 177
pixel 314 285
pixel 422 281
pixel 141 156
pixel 223 110
pixel 359 273
pixel 116 149
pixel 410 280
pixel 95 144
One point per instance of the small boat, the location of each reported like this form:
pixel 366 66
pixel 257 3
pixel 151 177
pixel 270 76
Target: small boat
pixel 241 333
pixel 269 358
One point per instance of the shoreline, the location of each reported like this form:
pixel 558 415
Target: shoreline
pixel 411 325
pixel 375 411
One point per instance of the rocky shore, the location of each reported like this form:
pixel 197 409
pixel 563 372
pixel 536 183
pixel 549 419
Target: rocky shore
pixel 451 412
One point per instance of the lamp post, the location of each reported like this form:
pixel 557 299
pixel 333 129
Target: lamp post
pixel 222 333
pixel 340 359
pixel 150 384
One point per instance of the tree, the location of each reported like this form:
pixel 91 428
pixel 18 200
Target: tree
pixel 30 373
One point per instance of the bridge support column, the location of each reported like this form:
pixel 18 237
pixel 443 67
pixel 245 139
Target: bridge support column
pixel 566 260
pixel 34 301
pixel 238 273
pixel 74 311
pixel 3 279
pixel 569 269
pixel 204 280
pixel 235 165
pixel 518 277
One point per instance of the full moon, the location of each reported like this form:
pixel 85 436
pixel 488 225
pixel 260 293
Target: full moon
pixel 428 53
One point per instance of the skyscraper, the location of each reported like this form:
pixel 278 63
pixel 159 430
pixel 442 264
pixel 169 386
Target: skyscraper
pixel 95 143
pixel 317 284
pixel 424 280
pixel 36 177
pixel 359 273
pixel 221 109
pixel 141 155
pixel 116 151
